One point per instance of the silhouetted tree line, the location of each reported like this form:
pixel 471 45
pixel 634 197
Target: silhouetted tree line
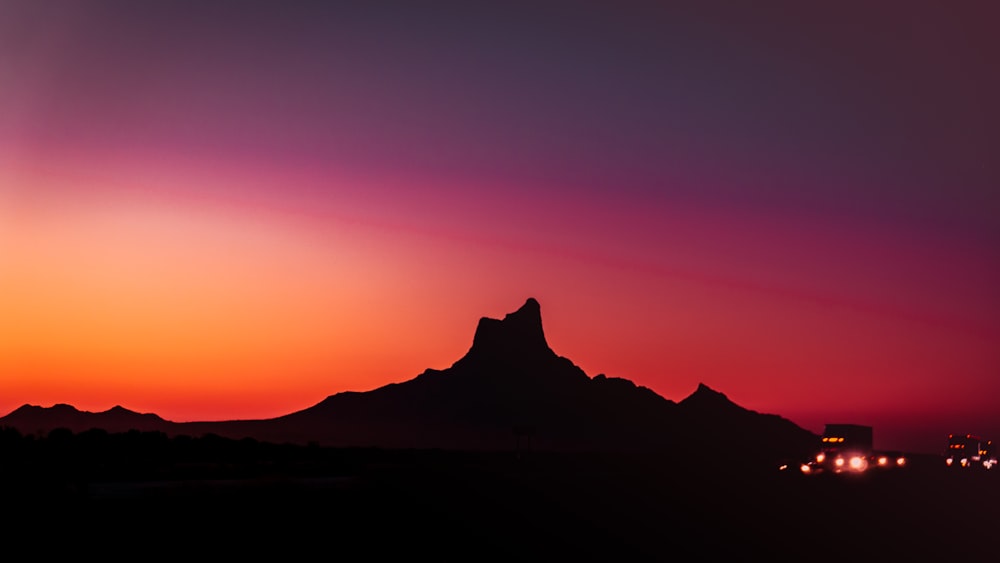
pixel 65 460
pixel 62 462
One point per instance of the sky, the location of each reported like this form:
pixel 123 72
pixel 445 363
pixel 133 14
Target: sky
pixel 218 210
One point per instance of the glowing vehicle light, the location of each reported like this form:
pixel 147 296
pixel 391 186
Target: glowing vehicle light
pixel 857 463
pixel 805 468
pixel 970 451
pixel 901 461
pixel 820 458
pixel 839 462
pixel 882 460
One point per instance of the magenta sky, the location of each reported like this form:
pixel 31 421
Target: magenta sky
pixel 218 210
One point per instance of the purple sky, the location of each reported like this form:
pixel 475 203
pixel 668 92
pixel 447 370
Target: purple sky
pixel 794 203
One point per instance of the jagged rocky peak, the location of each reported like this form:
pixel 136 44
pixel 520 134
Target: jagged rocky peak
pixel 519 333
pixel 705 394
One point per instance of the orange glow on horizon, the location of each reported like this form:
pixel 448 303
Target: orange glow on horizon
pixel 198 310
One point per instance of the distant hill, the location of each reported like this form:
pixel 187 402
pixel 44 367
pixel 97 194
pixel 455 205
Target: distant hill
pixel 509 391
pixel 31 419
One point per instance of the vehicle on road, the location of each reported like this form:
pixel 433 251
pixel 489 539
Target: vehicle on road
pixel 849 448
pixel 970 451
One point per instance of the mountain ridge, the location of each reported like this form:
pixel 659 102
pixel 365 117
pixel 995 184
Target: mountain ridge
pixel 510 388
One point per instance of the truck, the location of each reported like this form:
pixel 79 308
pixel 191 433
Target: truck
pixel 970 451
pixel 849 448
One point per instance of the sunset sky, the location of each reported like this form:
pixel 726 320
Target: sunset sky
pixel 214 210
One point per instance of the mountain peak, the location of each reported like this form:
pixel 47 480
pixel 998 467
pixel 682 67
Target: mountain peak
pixel 706 390
pixel 704 395
pixel 530 305
pixel 519 334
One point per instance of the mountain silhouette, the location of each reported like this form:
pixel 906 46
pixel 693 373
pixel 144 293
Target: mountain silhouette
pixel 509 391
pixel 41 420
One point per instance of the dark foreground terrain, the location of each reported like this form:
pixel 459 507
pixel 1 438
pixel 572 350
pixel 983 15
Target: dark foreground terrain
pixel 217 498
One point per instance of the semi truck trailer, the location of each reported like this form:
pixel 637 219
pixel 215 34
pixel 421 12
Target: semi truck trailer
pixel 849 448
